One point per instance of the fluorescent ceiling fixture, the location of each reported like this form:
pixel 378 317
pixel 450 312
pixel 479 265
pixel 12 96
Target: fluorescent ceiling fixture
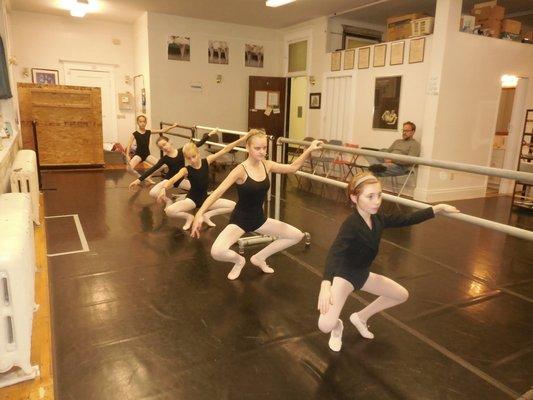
pixel 509 81
pixel 277 3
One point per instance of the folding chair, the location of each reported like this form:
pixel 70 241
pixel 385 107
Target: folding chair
pixel 394 180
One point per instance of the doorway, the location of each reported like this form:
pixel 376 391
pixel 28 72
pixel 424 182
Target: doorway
pixel 103 77
pixel 501 133
pixel 297 116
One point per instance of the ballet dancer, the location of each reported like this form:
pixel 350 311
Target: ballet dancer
pixel 251 177
pixel 197 173
pixel 142 140
pixel 349 259
pixel 174 159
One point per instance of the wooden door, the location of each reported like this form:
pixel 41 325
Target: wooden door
pixel 266 104
pixel 69 123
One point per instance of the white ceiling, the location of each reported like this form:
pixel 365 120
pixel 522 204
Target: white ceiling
pixel 255 13
pixel 247 12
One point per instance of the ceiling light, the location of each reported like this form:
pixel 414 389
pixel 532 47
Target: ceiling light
pixel 277 3
pixel 509 81
pixel 79 8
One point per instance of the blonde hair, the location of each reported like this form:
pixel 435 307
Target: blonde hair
pixel 190 149
pixel 359 181
pixel 260 133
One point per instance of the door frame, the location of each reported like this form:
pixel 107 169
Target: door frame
pixel 69 66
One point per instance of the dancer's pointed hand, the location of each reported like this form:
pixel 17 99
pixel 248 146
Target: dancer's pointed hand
pixel 136 182
pixel 325 300
pixel 196 226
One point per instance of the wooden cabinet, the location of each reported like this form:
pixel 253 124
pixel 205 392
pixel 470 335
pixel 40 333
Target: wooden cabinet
pixel 69 124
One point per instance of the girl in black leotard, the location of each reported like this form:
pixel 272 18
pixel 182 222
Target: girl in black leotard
pixel 350 256
pixel 252 182
pixel 197 173
pixel 175 160
pixel 142 152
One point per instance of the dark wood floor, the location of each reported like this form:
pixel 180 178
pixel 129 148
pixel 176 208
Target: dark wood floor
pixel 147 314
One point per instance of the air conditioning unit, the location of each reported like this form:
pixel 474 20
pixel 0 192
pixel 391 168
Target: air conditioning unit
pixel 24 179
pixel 17 288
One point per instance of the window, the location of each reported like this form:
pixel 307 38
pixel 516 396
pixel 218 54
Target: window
pixel 298 56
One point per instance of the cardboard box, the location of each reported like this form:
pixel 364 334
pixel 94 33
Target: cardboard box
pixel 468 23
pixel 399 27
pixel 491 3
pixel 483 13
pixel 491 27
pixel 511 26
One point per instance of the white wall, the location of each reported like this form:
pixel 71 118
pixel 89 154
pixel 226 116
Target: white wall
pixel 141 62
pixel 468 108
pixel 42 40
pixel 223 105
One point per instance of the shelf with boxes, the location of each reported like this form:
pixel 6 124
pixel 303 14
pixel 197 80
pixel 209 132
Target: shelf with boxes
pixel 408 26
pixel 488 19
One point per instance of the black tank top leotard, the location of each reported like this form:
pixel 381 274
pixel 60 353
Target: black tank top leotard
pixel 199 179
pixel 248 213
pixel 143 144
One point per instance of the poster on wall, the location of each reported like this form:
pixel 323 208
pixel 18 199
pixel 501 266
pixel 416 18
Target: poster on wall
pixel 218 52
pixel 179 48
pixel 253 55
pixel 387 102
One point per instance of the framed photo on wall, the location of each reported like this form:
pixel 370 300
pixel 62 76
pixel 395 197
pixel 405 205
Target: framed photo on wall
pixel 387 102
pixel 380 55
pixel 363 58
pixel 416 50
pixel 396 53
pixel 336 60
pixel 314 100
pixel 178 48
pixel 349 59
pixel 45 76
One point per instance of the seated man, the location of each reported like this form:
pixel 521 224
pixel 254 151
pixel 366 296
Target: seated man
pixel 406 146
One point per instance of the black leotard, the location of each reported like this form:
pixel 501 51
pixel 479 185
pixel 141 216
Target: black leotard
pixel 143 144
pixel 199 179
pixel 248 214
pixel 356 245
pixel 174 164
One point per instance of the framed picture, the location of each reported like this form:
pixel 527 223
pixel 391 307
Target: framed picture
pixel 179 48
pixel 416 50
pixel 380 55
pixel 396 53
pixel 363 59
pixel 349 59
pixel 218 52
pixel 45 76
pixel 387 102
pixel 253 55
pixel 315 100
pixel 336 61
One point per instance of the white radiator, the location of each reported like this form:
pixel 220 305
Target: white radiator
pixel 24 179
pixel 17 288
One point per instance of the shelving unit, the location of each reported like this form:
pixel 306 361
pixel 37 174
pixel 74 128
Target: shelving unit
pixel 523 193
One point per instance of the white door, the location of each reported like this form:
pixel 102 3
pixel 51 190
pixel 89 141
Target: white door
pixel 338 106
pixel 105 81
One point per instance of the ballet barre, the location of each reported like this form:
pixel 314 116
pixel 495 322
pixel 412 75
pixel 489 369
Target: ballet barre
pixel 485 223
pixel 526 177
pixel 209 128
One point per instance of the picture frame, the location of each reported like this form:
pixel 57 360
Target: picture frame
pixel 380 55
pixel 45 76
pixel 416 50
pixel 315 100
pixel 387 92
pixel 349 59
pixel 254 55
pixel 396 53
pixel 178 48
pixel 363 58
pixel 336 57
